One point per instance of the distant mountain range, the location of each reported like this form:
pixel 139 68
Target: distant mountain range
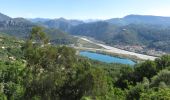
pixel 36 20
pixel 129 19
pixel 140 19
pixel 21 27
pixel 151 31
pixel 15 26
pixel 61 23
pixel 4 17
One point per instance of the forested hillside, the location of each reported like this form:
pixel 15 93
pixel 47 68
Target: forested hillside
pixel 61 23
pixel 36 70
pixel 20 27
pixel 141 19
pixel 152 36
pixel 150 31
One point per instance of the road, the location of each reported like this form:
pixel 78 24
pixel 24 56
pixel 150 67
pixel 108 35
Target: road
pixel 111 49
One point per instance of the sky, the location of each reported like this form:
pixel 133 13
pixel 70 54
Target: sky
pixel 83 9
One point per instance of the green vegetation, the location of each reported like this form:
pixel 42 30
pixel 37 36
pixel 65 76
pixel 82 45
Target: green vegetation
pixel 10 47
pixel 41 71
pixel 20 28
pixel 150 32
pixel 151 36
pixel 58 37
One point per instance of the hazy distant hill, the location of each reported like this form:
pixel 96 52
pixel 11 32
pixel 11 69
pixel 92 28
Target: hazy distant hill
pixel 99 30
pixel 60 23
pixel 21 27
pixel 36 20
pixel 151 31
pixel 4 17
pixel 140 19
pixel 154 36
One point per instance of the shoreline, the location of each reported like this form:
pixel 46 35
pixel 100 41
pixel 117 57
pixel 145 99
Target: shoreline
pixel 114 55
pixel 115 51
pixel 133 58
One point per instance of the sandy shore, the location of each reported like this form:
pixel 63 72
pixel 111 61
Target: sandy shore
pixel 120 51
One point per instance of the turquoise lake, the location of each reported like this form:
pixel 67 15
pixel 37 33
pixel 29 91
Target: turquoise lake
pixel 106 58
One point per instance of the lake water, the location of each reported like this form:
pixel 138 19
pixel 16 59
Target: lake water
pixel 106 58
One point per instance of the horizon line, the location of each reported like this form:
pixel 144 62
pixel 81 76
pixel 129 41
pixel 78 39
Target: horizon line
pixel 85 18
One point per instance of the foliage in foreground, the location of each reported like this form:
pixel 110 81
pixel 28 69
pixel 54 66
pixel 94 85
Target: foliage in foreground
pixel 46 72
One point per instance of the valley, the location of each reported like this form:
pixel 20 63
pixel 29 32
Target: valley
pixel 64 59
pixel 112 50
pixel 137 33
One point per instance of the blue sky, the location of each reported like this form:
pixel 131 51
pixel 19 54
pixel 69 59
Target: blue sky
pixel 83 9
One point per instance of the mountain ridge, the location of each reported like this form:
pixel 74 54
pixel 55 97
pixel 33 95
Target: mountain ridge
pixel 21 27
pixel 140 19
pixel 129 30
pixel 4 17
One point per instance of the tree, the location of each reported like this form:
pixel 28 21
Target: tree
pixel 163 62
pixel 134 92
pixel 53 72
pixel 162 76
pixel 11 80
pixel 126 78
pixel 48 67
pixel 160 94
pixel 146 69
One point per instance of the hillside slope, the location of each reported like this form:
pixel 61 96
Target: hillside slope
pixel 140 19
pixel 20 27
pixel 152 36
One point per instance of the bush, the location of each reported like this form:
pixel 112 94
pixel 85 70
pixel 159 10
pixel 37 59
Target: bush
pixel 160 94
pixel 163 76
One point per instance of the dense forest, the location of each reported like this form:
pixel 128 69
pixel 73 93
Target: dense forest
pixel 37 70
